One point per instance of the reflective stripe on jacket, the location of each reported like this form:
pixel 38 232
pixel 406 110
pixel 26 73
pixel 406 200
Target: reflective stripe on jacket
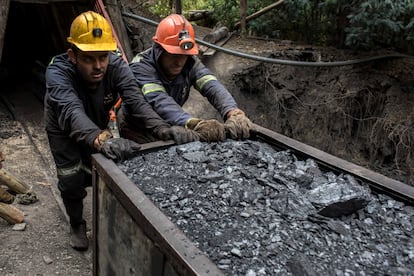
pixel 167 97
pixel 75 115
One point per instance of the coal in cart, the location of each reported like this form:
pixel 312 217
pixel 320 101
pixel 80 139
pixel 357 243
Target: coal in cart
pixel 133 237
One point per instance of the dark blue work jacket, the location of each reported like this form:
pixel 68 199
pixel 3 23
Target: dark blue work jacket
pixel 75 114
pixel 168 96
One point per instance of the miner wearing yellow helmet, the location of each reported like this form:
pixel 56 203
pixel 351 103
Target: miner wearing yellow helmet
pixel 82 85
pixel 168 70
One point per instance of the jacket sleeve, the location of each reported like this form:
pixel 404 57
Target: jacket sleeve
pixel 65 111
pixel 211 88
pixel 133 99
pixel 157 96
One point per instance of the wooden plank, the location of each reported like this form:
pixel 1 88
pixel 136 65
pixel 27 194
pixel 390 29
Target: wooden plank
pixel 4 14
pixel 209 51
pixel 243 12
pixel 14 183
pixel 10 213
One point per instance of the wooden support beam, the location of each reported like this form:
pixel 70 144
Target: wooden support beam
pixel 243 12
pixel 114 12
pixel 4 14
pixel 178 7
pixel 258 13
pixel 196 15
pixel 13 182
pixel 11 214
pixel 5 196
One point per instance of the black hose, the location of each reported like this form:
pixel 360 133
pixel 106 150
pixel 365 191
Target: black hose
pixel 273 60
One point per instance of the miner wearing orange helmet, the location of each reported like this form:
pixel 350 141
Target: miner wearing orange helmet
pixel 168 70
pixel 82 85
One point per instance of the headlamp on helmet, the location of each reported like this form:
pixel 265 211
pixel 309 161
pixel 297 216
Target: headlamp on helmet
pixel 185 41
pixel 176 35
pixel 90 31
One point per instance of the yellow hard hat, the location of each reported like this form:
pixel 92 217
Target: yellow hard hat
pixel 91 32
pixel 176 35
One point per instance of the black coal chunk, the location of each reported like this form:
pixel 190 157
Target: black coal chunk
pixel 257 211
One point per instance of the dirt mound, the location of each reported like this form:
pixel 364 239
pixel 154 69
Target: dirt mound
pixel 362 112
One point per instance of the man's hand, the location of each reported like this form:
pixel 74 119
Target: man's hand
pixel 179 134
pixel 104 136
pixel 237 125
pixel 183 135
pixel 208 130
pixel 119 149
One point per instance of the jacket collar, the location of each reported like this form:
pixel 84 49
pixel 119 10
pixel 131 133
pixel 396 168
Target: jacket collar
pixel 158 50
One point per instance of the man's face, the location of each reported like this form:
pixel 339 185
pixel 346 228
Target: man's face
pixel 91 65
pixel 171 64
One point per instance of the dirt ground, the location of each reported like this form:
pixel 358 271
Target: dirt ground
pixel 42 248
pixel 362 113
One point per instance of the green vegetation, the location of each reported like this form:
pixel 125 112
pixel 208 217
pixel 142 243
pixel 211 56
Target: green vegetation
pixel 356 24
pixel 381 23
pixel 163 8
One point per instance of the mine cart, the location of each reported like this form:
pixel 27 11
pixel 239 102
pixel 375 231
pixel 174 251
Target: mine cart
pixel 131 236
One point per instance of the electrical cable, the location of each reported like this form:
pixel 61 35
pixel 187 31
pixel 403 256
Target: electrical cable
pixel 277 61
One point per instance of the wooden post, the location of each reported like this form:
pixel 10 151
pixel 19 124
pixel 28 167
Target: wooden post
pixel 11 214
pixel 216 35
pixel 257 14
pixel 178 7
pixel 4 14
pixel 13 182
pixel 243 12
pixel 117 21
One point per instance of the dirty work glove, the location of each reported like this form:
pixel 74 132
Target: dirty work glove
pixel 119 149
pixel 164 133
pixel 237 125
pixel 182 135
pixel 208 130
pixel 179 134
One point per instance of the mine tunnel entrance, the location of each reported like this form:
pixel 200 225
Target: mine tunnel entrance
pixel 34 33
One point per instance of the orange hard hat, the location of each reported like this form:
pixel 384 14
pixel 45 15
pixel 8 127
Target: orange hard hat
pixel 176 35
pixel 90 31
